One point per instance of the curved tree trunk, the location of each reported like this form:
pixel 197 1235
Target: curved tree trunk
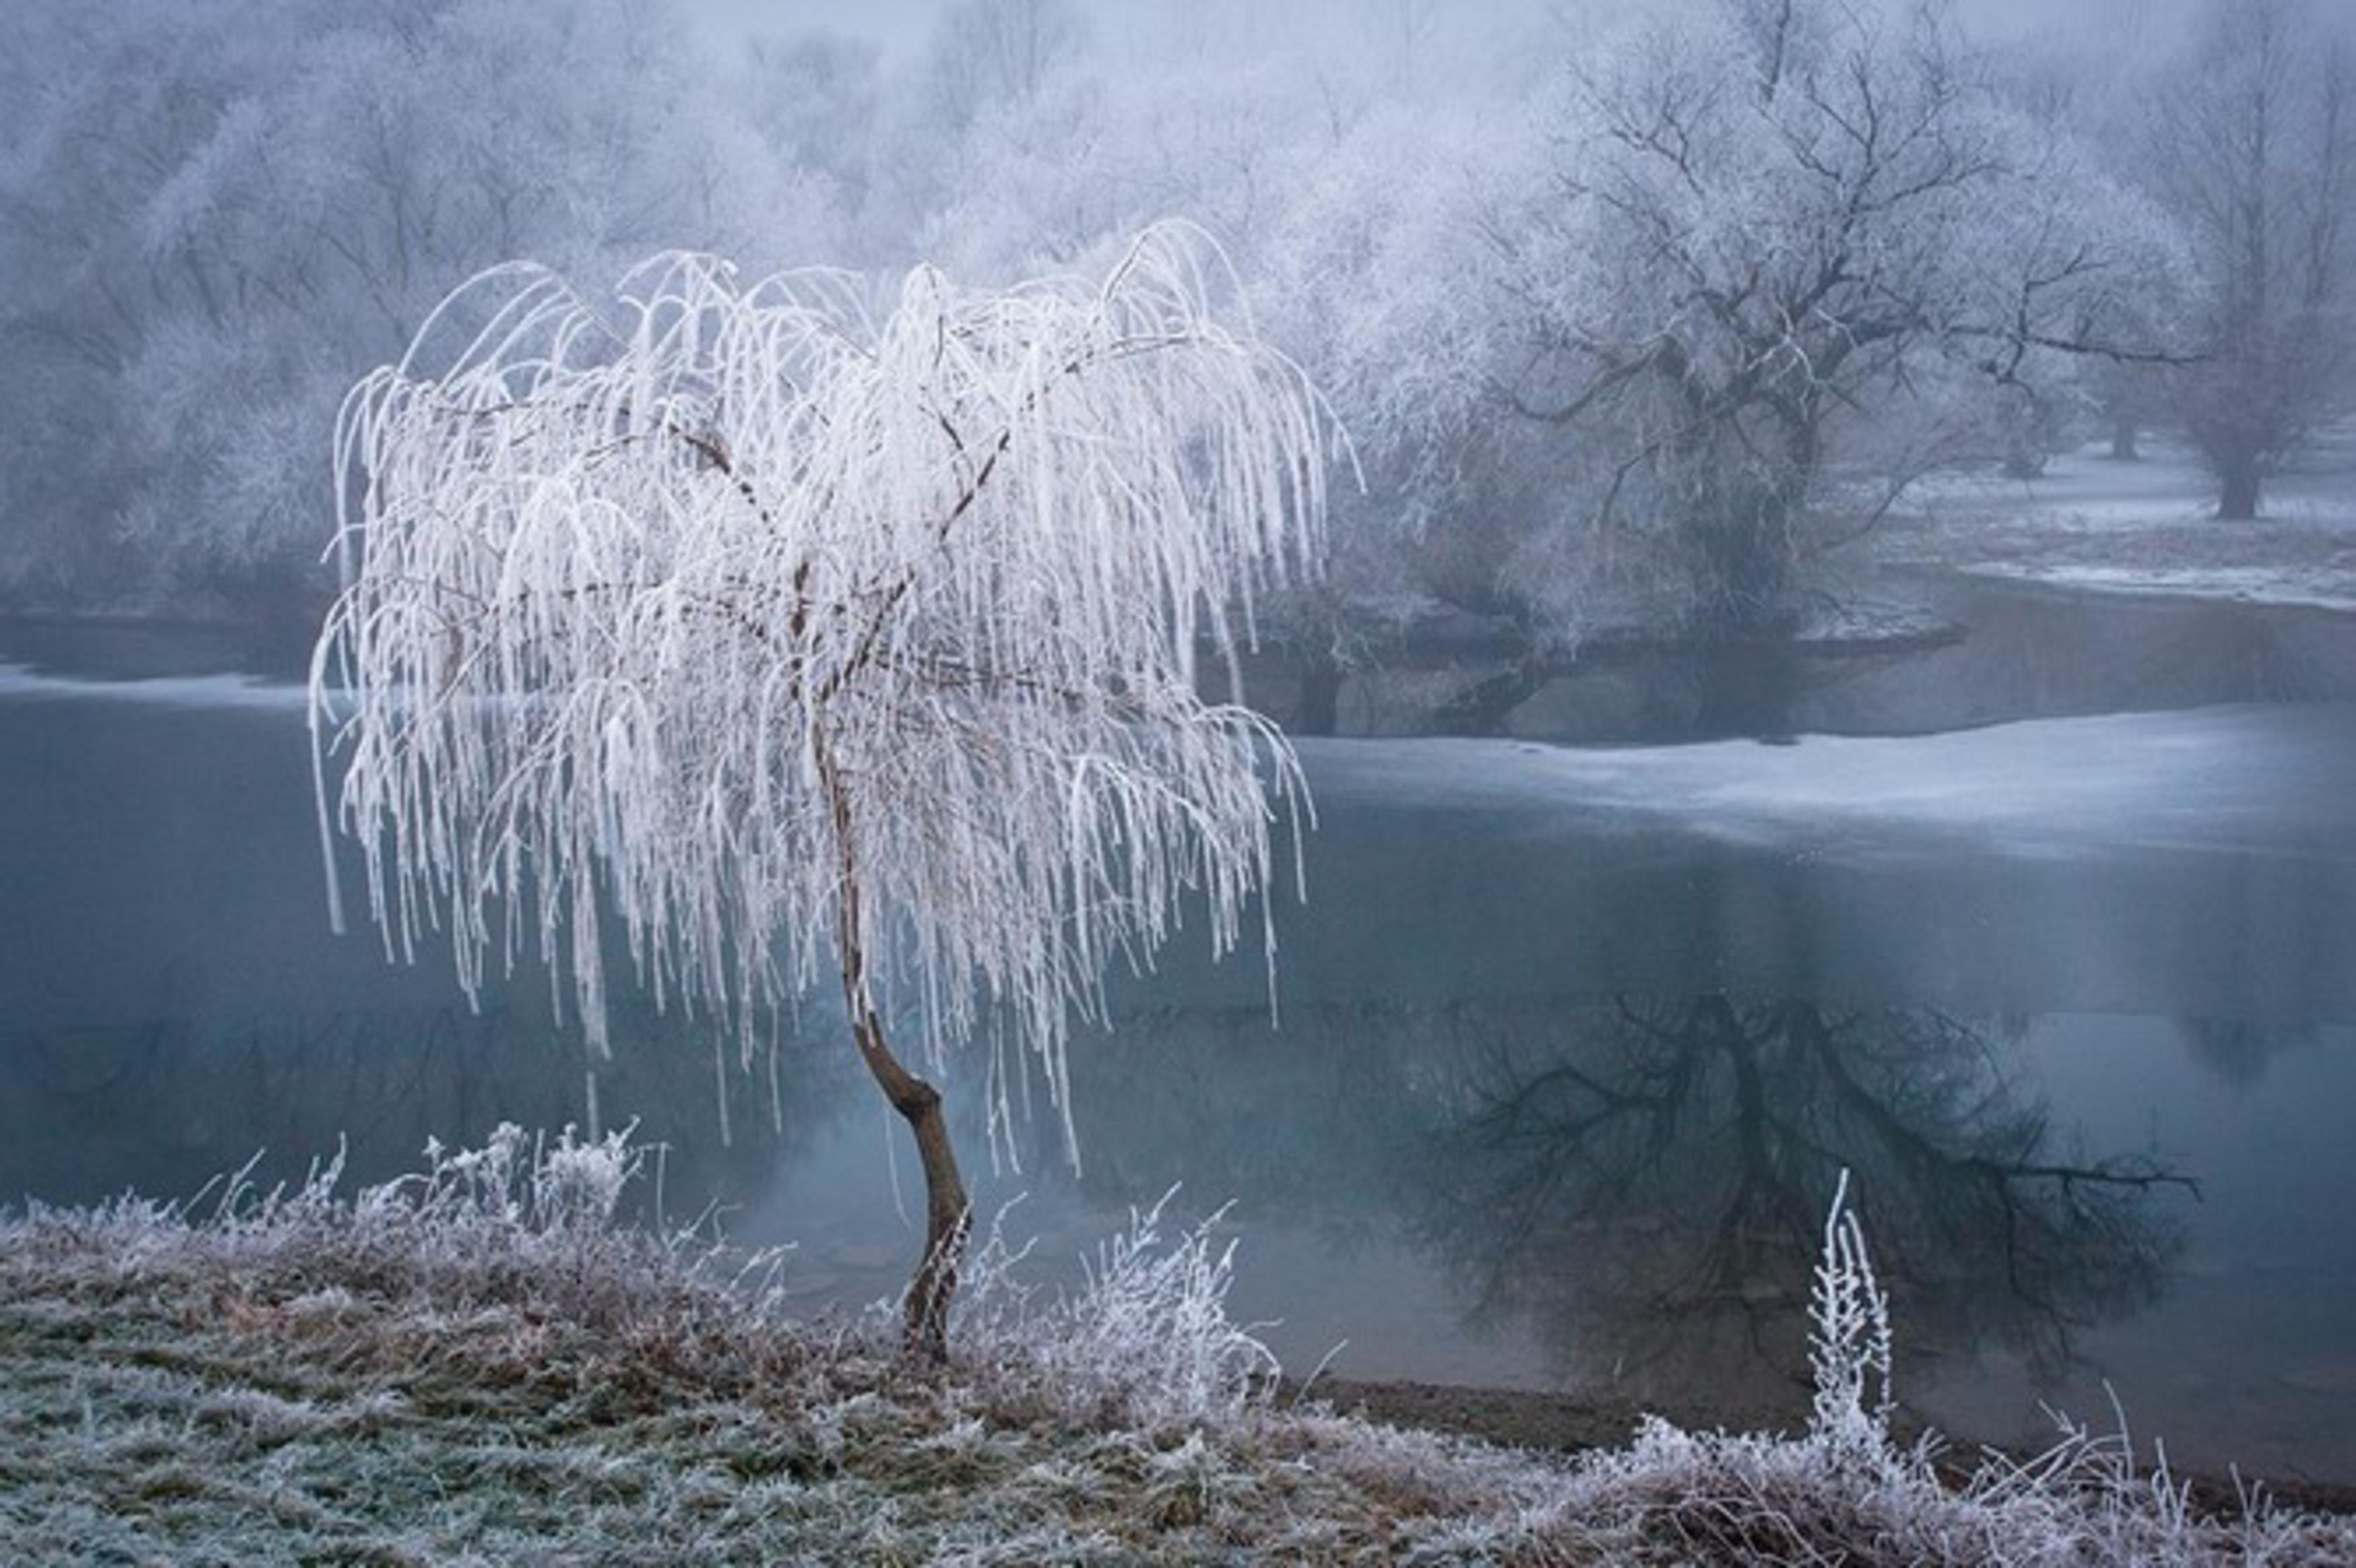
pixel 1320 712
pixel 946 1209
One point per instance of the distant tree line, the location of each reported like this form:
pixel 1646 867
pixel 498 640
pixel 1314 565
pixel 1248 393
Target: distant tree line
pixel 1633 319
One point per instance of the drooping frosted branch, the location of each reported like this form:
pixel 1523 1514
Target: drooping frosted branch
pixel 643 592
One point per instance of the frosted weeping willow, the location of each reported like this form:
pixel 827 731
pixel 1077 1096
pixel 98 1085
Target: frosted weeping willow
pixel 811 645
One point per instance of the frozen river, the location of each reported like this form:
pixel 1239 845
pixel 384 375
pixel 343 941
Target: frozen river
pixel 1572 1043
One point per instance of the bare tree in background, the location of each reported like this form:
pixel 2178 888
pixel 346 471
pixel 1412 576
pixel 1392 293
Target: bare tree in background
pixel 808 646
pixel 2254 143
pixel 986 53
pixel 1769 222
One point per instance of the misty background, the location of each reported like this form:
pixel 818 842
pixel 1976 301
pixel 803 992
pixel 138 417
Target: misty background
pixel 1639 316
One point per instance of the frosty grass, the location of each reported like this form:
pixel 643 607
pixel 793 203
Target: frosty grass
pixel 480 1364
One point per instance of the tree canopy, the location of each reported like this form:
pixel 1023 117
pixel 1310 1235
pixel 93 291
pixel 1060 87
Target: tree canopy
pixel 1766 226
pixel 806 641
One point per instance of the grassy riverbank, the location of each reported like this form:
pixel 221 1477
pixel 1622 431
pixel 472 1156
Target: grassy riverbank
pixel 476 1365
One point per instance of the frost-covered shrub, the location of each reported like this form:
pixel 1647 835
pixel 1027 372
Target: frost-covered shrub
pixel 522 1222
pixel 1849 1342
pixel 1147 1335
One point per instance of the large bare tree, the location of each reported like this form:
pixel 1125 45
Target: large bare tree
pixel 1769 226
pixel 2254 143
pixel 805 644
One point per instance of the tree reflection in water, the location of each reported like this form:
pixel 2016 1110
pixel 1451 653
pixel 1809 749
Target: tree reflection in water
pixel 2238 1052
pixel 1642 1182
pixel 1638 1182
pixel 1646 1186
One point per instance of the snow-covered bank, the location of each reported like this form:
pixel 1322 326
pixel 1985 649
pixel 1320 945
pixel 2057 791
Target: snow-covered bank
pixel 2139 527
pixel 2100 587
pixel 23 682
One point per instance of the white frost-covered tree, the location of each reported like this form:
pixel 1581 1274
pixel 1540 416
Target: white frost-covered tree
pixel 2253 143
pixel 215 214
pixel 805 644
pixel 1772 224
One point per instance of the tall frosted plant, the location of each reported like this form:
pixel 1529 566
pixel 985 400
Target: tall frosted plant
pixel 1849 1345
pixel 812 646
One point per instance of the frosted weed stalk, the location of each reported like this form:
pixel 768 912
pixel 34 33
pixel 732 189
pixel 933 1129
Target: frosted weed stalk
pixel 1843 1492
pixel 1849 1343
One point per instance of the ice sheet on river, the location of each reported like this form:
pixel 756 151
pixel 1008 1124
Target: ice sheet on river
pixel 2259 779
pixel 21 682
pixel 2251 779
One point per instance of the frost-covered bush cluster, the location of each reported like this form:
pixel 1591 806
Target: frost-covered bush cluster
pixel 1147 1333
pixel 523 1218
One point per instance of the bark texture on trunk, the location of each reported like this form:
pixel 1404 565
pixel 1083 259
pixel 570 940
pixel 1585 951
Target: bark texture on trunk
pixel 948 1210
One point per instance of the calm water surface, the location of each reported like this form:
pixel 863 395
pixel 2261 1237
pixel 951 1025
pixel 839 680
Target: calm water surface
pixel 1572 1045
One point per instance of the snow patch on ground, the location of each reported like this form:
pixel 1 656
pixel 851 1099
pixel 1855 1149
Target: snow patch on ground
pixel 2143 526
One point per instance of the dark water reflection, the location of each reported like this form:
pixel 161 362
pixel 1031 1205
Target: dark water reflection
pixel 163 1104
pixel 172 999
pixel 1630 1191
pixel 2040 652
pixel 1573 1046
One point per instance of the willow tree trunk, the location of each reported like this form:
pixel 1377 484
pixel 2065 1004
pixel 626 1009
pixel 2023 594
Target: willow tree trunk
pixel 946 1209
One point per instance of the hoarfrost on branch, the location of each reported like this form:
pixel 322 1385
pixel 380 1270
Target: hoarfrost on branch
pixel 794 636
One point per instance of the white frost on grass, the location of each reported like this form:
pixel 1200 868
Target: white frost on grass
pixel 475 1364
